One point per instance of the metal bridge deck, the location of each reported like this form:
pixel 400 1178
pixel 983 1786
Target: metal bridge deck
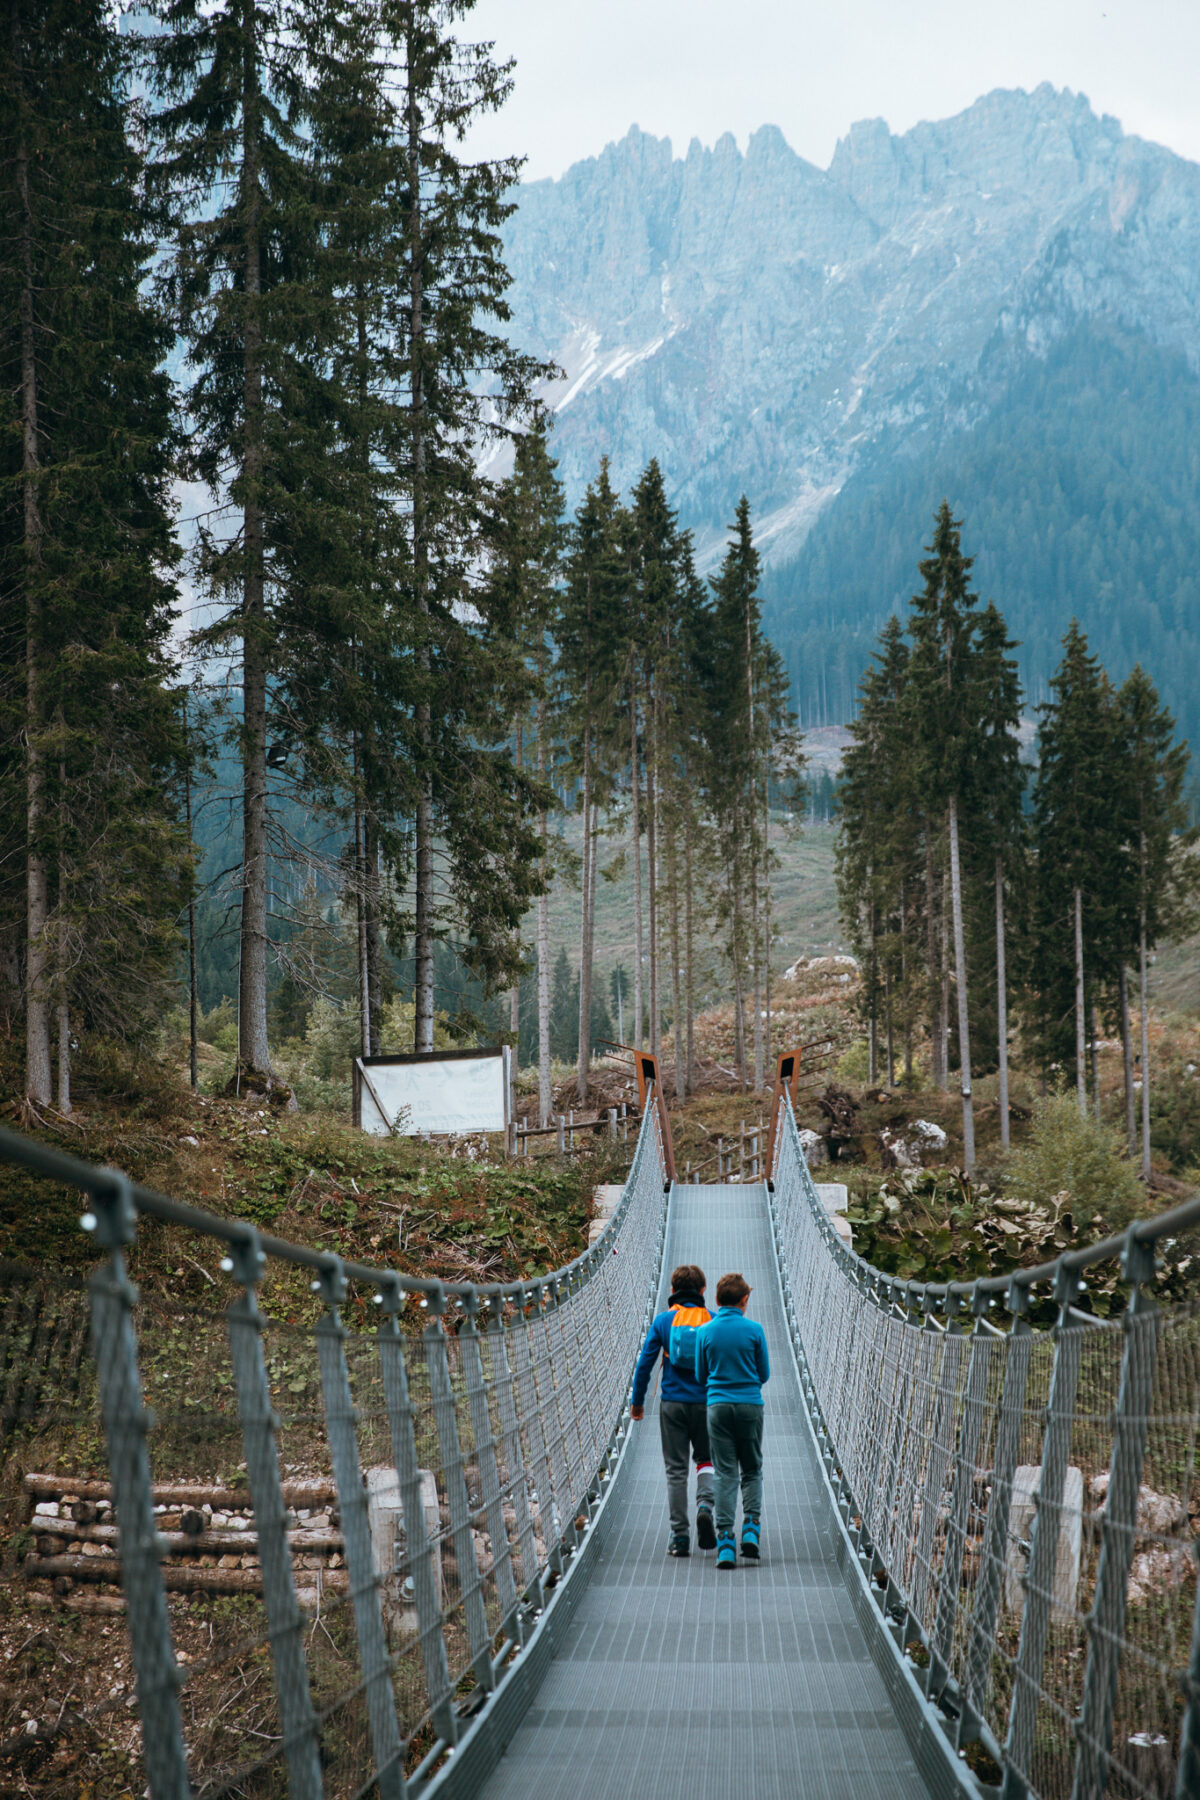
pixel 677 1683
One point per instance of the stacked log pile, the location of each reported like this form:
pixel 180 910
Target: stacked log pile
pixel 209 1533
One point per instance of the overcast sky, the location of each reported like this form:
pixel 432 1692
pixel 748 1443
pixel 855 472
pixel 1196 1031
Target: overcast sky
pixel 586 71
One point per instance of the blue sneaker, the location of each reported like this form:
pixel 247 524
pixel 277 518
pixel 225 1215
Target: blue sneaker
pixel 706 1531
pixel 726 1551
pixel 681 1545
pixel 750 1539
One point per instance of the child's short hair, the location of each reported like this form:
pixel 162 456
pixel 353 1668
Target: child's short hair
pixel 732 1290
pixel 688 1277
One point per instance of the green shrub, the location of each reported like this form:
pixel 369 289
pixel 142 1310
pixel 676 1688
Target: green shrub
pixel 1074 1158
pixel 1175 1113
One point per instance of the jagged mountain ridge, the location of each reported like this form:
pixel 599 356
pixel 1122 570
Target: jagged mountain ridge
pixel 762 325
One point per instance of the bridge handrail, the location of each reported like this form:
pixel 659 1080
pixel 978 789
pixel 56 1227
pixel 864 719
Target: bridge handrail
pixel 500 1424
pixel 1046 1673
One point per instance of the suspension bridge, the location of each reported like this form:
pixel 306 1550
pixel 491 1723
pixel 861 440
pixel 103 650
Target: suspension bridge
pixel 979 1571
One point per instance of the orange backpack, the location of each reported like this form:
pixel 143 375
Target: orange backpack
pixel 685 1323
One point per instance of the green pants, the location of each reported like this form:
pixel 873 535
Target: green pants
pixel 735 1434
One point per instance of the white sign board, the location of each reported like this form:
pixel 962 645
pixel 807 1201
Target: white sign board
pixel 452 1092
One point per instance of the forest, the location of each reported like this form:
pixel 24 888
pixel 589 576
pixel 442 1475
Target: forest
pixel 967 887
pixel 247 259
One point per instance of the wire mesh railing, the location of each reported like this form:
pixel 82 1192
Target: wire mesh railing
pixel 1024 1503
pixel 462 1437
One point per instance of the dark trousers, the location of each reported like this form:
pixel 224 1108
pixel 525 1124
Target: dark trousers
pixel 684 1429
pixel 735 1431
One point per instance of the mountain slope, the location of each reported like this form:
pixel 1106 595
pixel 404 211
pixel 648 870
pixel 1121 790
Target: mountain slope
pixel 891 327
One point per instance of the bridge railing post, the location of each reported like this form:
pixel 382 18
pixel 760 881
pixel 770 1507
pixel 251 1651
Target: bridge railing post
pixel 419 1547
pixel 341 1423
pixel 1043 1554
pixel 127 1422
pixel 298 1722
pixel 1106 1622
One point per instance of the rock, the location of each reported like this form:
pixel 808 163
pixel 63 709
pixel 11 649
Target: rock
pixel 229 1562
pixel 1155 1571
pixel 1026 1482
pixel 1157 1513
pixel 816 1150
pixel 908 1145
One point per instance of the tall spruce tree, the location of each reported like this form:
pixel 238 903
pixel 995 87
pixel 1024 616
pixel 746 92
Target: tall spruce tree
pixel 1160 862
pixel 1080 852
pixel 95 866
pixel 945 713
pixel 589 670
pixel 526 549
pixel 464 387
pixel 234 159
pixel 996 803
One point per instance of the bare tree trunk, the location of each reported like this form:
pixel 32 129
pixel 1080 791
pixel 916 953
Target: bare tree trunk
pixel 253 1050
pixel 1001 1006
pixel 652 869
pixel 545 1096
pixel 891 1038
pixel 689 937
pixel 423 994
pixel 37 904
pixel 374 968
pixel 514 992
pixel 360 903
pixel 1127 1061
pixel 944 989
pixel 1145 997
pixel 635 795
pixel 960 976
pixel 1096 1060
pixel 767 944
pixel 872 991
pixel 677 1023
pixel 1080 1017
pixel 64 1055
pixel 585 959
pixel 908 1042
pixel 936 1041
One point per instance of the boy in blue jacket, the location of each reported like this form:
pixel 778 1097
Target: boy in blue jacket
pixel 731 1361
pixel 683 1415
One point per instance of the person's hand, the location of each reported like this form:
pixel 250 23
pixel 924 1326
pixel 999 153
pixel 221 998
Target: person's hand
pixel 637 1412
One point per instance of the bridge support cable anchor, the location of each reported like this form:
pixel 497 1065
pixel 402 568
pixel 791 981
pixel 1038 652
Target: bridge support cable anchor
pixel 419 1547
pixel 1043 1554
pixel 285 1621
pixel 341 1421
pixel 1106 1622
pixel 457 1498
pixel 127 1424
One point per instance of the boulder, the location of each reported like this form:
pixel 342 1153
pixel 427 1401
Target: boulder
pixel 816 1150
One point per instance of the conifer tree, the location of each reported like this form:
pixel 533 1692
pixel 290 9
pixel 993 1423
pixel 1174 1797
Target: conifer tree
pixel 1160 863
pixel 1079 845
pixel 95 866
pixel 465 387
pixel 527 541
pixel 234 159
pixel 589 670
pixel 942 685
pixel 996 798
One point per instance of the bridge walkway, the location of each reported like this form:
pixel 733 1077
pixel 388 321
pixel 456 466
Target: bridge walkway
pixel 679 1683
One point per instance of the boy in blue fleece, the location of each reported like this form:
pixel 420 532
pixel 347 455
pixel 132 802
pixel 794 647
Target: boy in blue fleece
pixel 731 1360
pixel 683 1416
